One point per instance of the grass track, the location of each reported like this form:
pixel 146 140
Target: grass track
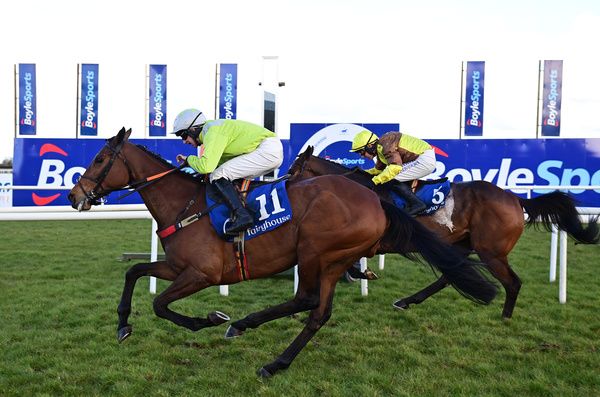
pixel 60 283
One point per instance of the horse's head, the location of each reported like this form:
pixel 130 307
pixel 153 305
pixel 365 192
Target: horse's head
pixel 299 165
pixel 107 172
pixel 307 166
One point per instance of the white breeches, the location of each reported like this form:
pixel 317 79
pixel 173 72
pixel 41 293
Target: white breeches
pixel 265 158
pixel 422 166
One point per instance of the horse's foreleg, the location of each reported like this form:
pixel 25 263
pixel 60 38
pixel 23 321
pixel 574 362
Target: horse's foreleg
pixel 157 269
pixel 318 317
pixel 307 298
pixel 423 294
pixel 184 285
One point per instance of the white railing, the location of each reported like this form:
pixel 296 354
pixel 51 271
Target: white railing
pixel 139 211
pixel 561 236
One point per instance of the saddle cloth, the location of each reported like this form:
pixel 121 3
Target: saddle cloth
pixel 432 193
pixel 268 203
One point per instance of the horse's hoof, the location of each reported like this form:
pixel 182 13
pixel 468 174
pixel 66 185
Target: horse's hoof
pixel 218 318
pixel 263 373
pixel 124 333
pixel 371 275
pixel 400 305
pixel 233 332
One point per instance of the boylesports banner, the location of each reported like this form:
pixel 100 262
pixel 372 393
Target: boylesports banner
pixel 504 162
pixel 473 117
pixel 27 99
pixel 228 91
pixel 157 107
pixel 59 163
pixel 552 98
pixel 88 107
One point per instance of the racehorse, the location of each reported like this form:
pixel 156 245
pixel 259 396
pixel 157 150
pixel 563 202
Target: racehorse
pixel 335 222
pixel 478 217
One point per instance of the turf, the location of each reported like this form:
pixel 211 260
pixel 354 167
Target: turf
pixel 60 283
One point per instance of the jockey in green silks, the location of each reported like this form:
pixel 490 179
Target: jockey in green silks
pixel 232 149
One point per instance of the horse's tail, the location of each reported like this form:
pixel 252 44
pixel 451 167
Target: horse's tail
pixel 406 236
pixel 559 208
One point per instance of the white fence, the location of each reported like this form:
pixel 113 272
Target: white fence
pixel 139 211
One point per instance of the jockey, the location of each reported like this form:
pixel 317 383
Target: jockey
pixel 398 156
pixel 233 149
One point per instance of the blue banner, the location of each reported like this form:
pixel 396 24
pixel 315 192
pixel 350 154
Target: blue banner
pixel 474 98
pixel 158 100
pixel 27 99
pixel 228 91
pixel 331 141
pixel 505 162
pixel 552 98
pixel 515 162
pixel 88 107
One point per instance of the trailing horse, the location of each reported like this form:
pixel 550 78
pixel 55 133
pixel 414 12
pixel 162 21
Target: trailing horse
pixel 478 217
pixel 335 222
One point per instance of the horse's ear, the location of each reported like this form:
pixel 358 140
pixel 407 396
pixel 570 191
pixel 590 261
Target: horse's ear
pixel 123 135
pixel 310 150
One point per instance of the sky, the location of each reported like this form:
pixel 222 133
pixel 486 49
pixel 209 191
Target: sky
pixel 376 61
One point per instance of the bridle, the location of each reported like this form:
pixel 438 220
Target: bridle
pixel 93 196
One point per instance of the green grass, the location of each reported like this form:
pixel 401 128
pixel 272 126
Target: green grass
pixel 60 283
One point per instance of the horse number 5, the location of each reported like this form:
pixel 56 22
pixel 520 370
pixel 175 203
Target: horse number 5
pixel 438 197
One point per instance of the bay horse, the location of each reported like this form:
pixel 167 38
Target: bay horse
pixel 335 222
pixel 479 217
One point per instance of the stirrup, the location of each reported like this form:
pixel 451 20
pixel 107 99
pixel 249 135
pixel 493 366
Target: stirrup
pixel 236 227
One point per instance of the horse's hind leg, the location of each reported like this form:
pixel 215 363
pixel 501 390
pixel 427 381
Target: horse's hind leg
pixel 499 267
pixel 318 317
pixel 184 285
pixel 157 269
pixel 423 294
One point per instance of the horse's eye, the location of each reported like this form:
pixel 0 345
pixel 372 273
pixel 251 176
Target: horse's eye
pixel 99 159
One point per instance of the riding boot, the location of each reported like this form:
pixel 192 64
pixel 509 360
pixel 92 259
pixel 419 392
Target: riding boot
pixel 241 217
pixel 414 205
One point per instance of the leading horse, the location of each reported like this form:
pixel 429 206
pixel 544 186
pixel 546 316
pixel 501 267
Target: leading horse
pixel 478 217
pixel 335 222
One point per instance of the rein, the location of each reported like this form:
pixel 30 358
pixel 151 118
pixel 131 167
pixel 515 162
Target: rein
pixel 95 198
pixel 139 185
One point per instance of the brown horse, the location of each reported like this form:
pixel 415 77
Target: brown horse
pixel 335 222
pixel 478 217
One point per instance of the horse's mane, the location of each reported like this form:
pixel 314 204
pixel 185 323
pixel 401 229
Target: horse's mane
pixel 334 163
pixel 339 166
pixel 158 157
